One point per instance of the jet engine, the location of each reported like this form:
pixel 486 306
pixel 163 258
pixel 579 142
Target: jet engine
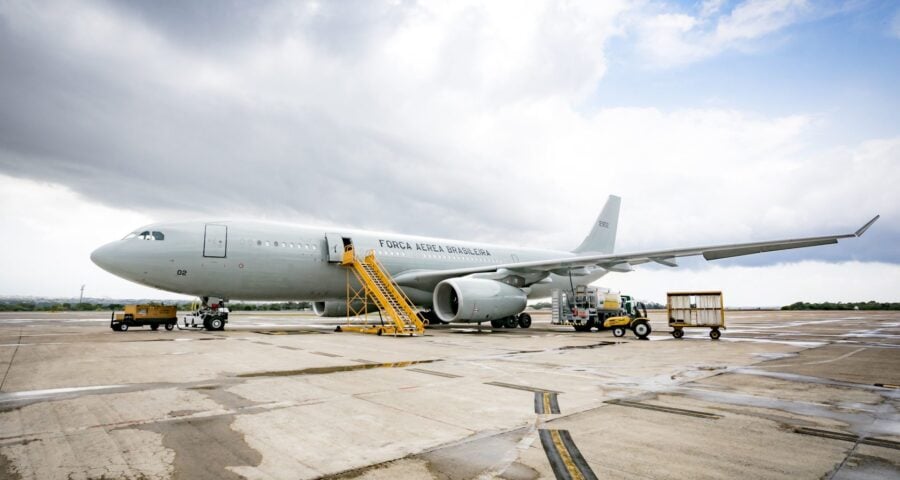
pixel 476 300
pixel 337 308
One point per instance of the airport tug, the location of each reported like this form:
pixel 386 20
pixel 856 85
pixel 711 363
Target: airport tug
pixel 591 307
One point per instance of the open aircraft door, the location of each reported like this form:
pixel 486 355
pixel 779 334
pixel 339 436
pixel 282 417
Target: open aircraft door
pixel 335 243
pixel 215 241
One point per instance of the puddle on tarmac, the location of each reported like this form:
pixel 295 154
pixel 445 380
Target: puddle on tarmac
pixel 341 368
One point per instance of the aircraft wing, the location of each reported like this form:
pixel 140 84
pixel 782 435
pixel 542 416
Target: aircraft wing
pixel 534 271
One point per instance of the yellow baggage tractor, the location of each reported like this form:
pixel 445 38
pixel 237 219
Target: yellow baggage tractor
pixel 639 325
pixel 695 310
pixel 141 315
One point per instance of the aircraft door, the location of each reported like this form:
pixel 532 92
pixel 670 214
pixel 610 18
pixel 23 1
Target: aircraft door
pixel 215 241
pixel 335 244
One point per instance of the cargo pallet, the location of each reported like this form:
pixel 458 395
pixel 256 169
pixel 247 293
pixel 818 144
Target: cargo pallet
pixel 695 310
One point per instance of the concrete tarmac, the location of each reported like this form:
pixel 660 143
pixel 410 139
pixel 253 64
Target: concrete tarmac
pixel 781 395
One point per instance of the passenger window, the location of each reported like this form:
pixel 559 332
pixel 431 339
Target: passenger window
pixel 158 236
pixel 259 243
pixel 267 243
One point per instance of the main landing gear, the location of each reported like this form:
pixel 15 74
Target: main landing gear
pixel 522 320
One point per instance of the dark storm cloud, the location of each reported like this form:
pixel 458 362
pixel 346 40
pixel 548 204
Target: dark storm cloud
pixel 140 142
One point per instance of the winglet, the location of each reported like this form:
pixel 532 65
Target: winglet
pixel 866 226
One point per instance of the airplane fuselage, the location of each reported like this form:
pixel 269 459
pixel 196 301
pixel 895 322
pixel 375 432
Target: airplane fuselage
pixel 267 261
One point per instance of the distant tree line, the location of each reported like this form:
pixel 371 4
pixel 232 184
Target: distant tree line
pixel 51 306
pixel 870 305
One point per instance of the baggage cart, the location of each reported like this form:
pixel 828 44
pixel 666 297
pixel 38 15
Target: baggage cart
pixel 695 310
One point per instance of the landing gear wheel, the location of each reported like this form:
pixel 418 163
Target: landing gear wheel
pixel 496 323
pixel 715 334
pixel 154 326
pixel 123 327
pixel 216 324
pixel 618 331
pixel 170 326
pixel 641 328
pixel 524 320
pixel 511 322
pixel 678 333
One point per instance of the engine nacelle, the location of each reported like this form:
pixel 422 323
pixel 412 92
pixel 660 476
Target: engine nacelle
pixel 476 300
pixel 337 309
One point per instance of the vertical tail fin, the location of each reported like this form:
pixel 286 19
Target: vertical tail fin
pixel 602 238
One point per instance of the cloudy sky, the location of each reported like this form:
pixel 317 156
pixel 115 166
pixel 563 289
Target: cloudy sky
pixel 509 122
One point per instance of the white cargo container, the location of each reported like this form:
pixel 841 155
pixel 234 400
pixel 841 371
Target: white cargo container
pixel 695 309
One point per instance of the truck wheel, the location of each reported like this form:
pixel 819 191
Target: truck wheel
pixel 641 328
pixel 496 323
pixel 511 322
pixel 618 331
pixel 170 326
pixel 216 324
pixel 678 333
pixel 154 326
pixel 524 320
pixel 123 327
pixel 714 334
pixel 115 327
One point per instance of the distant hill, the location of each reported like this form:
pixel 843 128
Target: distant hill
pixel 43 304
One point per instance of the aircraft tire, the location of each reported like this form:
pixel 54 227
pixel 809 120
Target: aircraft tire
pixel 524 320
pixel 511 322
pixel 496 323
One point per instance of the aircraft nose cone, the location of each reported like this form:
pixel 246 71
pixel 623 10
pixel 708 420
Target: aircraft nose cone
pixel 102 257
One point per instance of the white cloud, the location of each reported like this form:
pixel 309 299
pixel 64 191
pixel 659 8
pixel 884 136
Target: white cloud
pixel 669 39
pixel 48 234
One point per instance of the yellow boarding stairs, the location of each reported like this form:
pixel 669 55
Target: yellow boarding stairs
pixel 379 288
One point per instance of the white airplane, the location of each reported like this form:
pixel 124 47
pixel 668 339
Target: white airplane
pixel 458 281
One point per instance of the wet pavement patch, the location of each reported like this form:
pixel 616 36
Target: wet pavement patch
pixel 326 370
pixel 848 437
pixel 660 408
pixel 593 345
pixel 546 403
pixel 520 387
pixel 565 458
pixel 222 447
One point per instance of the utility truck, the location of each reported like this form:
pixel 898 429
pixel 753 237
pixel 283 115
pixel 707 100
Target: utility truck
pixel 144 315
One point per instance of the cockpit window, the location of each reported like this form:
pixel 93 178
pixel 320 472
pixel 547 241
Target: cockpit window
pixel 147 235
pixel 130 236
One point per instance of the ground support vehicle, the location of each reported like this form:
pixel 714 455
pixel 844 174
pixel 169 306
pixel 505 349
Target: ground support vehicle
pixel 695 310
pixel 212 314
pixel 639 325
pixel 144 315
pixel 589 307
